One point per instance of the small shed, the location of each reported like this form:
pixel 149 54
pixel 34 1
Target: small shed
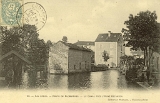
pixel 9 55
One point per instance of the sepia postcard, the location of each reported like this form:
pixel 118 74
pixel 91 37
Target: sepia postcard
pixel 74 51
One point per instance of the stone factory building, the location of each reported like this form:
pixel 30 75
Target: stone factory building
pixel 112 43
pixel 89 45
pixel 65 58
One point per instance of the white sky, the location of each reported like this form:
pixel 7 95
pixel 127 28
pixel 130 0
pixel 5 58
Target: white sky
pixel 85 19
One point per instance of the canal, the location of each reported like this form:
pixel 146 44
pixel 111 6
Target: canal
pixel 103 80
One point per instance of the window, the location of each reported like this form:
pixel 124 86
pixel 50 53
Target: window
pixel 79 65
pixel 157 63
pixel 111 53
pixel 74 67
pixel 152 60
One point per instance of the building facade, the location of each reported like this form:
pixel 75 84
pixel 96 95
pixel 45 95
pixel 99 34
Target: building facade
pixel 112 43
pixel 65 58
pixel 89 45
pixel 1 64
pixel 155 65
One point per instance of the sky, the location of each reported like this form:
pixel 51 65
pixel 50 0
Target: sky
pixel 85 19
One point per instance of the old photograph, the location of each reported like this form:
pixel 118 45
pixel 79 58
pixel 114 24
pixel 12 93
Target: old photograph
pixel 80 50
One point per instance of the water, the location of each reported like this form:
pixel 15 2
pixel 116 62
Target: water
pixel 104 80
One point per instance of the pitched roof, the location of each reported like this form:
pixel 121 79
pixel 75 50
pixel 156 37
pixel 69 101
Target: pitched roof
pixel 73 46
pixel 85 43
pixel 15 53
pixel 106 38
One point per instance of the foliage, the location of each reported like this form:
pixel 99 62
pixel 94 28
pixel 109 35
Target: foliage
pixel 17 38
pixel 65 39
pixel 142 30
pixel 139 61
pixel 127 59
pixel 25 41
pixel 38 53
pixel 105 56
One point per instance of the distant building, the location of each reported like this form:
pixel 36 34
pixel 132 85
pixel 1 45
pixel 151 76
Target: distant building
pixel 139 53
pixel 86 44
pixel 89 45
pixel 112 43
pixel 65 58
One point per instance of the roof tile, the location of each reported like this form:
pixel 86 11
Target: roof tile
pixel 106 38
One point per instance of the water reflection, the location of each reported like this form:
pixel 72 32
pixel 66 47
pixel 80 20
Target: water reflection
pixel 79 81
pixel 58 81
pixel 110 79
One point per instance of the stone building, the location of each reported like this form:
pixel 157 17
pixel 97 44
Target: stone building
pixel 89 45
pixel 65 58
pixel 112 43
pixel 155 64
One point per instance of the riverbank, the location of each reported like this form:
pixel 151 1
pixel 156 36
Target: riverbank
pixel 96 69
pixel 145 85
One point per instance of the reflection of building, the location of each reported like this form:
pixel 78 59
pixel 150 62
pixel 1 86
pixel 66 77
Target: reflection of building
pixel 67 58
pixel 112 43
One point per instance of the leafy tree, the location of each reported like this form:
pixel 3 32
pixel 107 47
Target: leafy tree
pixel 38 52
pixel 65 39
pixel 17 38
pixel 49 43
pixel 105 56
pixel 127 59
pixel 142 32
pixel 25 41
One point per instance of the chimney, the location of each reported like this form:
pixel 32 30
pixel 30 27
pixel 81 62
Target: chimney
pixel 109 33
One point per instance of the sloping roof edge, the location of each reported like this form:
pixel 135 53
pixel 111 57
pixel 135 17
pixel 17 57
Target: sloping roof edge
pixel 15 53
pixel 106 37
pixel 85 43
pixel 75 47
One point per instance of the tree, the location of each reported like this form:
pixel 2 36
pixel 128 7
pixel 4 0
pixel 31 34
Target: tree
pixel 142 32
pixel 127 59
pixel 105 56
pixel 38 52
pixel 65 39
pixel 18 38
pixel 25 41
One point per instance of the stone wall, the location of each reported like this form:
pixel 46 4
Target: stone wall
pixel 1 64
pixel 155 64
pixel 79 61
pixel 58 59
pixel 120 52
